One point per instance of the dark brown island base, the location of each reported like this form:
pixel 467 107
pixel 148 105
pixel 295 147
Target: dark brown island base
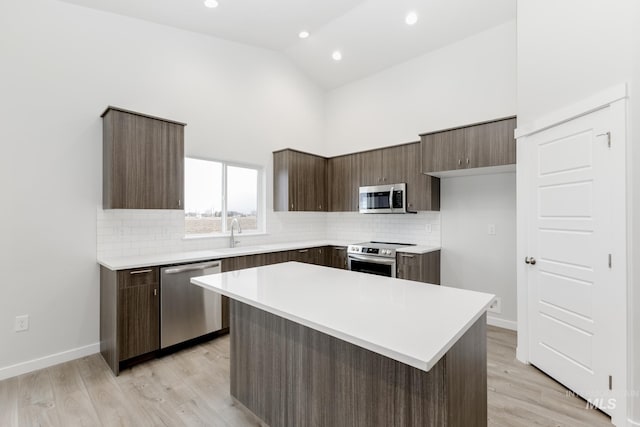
pixel 292 364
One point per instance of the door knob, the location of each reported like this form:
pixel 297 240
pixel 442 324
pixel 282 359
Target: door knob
pixel 531 260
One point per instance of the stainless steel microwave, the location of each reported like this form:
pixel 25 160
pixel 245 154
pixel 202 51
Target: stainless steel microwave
pixel 390 198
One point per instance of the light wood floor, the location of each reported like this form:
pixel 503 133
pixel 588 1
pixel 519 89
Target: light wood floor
pixel 191 388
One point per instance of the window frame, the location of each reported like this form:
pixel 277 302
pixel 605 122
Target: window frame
pixel 261 199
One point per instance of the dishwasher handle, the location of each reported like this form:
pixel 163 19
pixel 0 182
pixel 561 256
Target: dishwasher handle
pixel 178 270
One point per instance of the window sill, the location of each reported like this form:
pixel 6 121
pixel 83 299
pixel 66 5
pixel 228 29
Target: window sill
pixel 224 235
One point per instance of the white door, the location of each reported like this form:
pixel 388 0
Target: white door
pixel 569 242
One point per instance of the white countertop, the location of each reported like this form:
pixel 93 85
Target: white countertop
pixel 411 322
pixel 418 249
pixel 125 263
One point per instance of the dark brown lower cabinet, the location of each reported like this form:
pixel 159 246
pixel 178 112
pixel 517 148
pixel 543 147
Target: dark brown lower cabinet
pixel 129 314
pixel 419 267
pixel 315 256
pixel 337 257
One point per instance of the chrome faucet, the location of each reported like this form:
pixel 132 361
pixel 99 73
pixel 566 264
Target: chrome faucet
pixel 232 239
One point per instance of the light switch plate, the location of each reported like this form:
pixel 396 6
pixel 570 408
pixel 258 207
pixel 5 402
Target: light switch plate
pixel 491 230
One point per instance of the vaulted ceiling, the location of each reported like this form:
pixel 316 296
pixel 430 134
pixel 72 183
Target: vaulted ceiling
pixel 371 35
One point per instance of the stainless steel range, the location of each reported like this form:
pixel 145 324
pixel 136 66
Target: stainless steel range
pixel 374 257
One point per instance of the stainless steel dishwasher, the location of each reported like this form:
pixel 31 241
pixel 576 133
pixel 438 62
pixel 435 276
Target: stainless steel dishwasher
pixel 188 311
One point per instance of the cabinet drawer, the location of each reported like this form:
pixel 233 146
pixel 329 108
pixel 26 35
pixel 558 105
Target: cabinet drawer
pixel 138 277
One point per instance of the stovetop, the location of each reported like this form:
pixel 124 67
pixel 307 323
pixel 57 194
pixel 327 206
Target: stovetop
pixel 381 249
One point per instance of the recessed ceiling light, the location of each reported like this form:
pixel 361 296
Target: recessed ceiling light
pixel 211 3
pixel 337 55
pixel 303 34
pixel 411 18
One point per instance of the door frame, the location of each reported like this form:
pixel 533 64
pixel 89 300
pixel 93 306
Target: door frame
pixel 616 99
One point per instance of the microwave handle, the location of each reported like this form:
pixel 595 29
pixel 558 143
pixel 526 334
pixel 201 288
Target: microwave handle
pixel 391 198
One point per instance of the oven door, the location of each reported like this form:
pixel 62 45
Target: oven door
pixel 372 265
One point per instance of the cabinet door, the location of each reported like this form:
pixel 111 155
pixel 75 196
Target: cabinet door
pixel 168 168
pixel 318 184
pixel 394 164
pixel 299 188
pixel 343 183
pixel 138 312
pixel 302 255
pixel 409 267
pixel 370 165
pixel 337 257
pixel 491 144
pixel 443 151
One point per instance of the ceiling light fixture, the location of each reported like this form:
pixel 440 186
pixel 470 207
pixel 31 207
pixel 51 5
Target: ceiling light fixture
pixel 303 34
pixel 337 55
pixel 211 3
pixel 411 18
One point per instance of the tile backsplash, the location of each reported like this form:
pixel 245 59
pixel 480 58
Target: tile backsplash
pixel 147 232
pixel 408 228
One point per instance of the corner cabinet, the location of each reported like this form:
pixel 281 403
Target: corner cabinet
pixel 143 161
pixel 482 145
pixel 419 267
pixel 129 314
pixel 299 181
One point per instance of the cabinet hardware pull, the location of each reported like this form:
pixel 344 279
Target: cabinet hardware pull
pixel 179 270
pixel 179 203
pixel 303 251
pixel 140 271
pixel 531 260
pixel 459 162
pixel 407 256
pixel 467 161
pixel 155 292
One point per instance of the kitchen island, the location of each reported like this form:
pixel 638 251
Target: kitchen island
pixel 315 346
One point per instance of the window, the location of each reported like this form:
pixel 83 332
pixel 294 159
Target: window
pixel 217 192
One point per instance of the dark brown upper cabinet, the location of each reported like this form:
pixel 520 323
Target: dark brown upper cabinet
pixel 343 178
pixel 397 164
pixel 299 181
pixel 476 146
pixel 143 161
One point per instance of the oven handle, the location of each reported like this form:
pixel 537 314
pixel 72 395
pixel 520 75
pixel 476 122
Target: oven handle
pixel 375 260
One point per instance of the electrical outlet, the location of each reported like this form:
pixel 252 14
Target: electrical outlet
pixel 491 230
pixel 22 323
pixel 496 306
pixel 428 228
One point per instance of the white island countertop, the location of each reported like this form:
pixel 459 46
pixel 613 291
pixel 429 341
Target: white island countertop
pixel 411 322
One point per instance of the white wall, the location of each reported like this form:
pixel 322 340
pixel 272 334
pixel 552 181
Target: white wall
pixel 61 66
pixel 569 50
pixel 471 258
pixel 469 81
pixel 634 191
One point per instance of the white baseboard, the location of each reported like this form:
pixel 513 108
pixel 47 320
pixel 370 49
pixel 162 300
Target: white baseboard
pixel 46 361
pixel 502 323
